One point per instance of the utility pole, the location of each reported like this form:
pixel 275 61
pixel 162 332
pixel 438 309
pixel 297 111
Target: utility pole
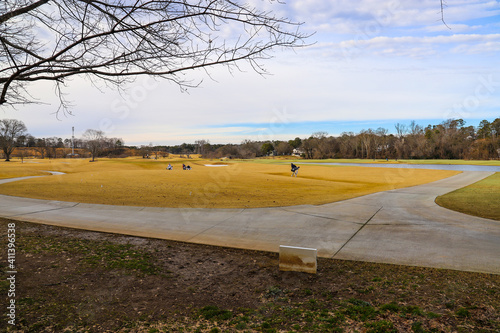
pixel 73 142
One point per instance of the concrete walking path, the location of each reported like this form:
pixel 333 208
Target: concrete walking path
pixel 401 226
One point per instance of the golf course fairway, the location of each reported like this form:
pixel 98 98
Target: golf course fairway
pixel 143 182
pixel 479 199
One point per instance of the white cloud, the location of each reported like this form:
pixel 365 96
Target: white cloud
pixel 369 18
pixel 480 48
pixel 411 46
pixel 397 68
pixel 452 28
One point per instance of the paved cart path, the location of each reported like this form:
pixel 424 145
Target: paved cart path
pixel 401 226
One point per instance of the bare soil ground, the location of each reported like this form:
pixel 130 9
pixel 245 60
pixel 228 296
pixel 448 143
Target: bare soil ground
pixel 79 281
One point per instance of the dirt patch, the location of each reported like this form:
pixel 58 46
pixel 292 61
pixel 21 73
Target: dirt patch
pixel 95 282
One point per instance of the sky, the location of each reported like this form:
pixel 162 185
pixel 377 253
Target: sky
pixel 370 64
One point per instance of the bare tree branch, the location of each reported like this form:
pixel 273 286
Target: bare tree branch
pixel 443 4
pixel 22 10
pixel 118 40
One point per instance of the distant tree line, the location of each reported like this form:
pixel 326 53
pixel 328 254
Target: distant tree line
pixel 15 138
pixel 451 139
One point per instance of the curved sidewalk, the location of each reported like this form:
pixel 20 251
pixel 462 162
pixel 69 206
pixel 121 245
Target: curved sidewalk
pixel 401 226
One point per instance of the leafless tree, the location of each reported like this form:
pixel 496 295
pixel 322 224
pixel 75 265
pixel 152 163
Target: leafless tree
pixel 21 153
pixel 380 142
pixel 249 149
pixel 10 130
pixel 309 145
pixel 118 40
pixel 401 131
pixel 284 148
pixel 94 141
pixel 201 146
pixel 324 145
pixel 320 135
pixel 41 147
pixel 51 147
pixel 366 138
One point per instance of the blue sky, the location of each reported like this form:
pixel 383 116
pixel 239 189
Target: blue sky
pixel 373 64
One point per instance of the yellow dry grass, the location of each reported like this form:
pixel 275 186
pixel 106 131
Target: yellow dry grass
pixel 14 173
pixel 138 182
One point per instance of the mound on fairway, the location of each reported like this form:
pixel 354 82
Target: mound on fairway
pixel 138 182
